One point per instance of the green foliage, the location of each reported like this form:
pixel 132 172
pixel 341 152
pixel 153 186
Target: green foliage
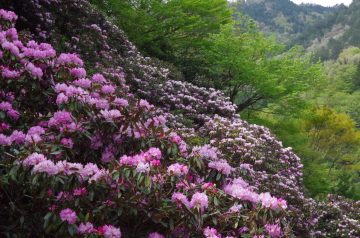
pixel 253 69
pixel 333 133
pixel 285 18
pixel 340 90
pixel 326 141
pixel 173 31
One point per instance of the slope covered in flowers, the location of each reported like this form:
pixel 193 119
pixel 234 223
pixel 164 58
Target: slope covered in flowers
pixel 85 152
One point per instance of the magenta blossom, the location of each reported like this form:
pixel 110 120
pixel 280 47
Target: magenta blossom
pixel 85 228
pixel 274 230
pixel 110 231
pixel 68 215
pixel 155 235
pixel 210 232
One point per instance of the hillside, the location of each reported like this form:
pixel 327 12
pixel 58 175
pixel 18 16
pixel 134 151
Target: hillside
pixel 97 140
pixel 284 18
pixel 338 31
pixel 324 30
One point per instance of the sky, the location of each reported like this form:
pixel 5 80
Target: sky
pixel 325 3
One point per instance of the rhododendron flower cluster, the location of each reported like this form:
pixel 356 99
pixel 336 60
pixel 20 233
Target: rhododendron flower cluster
pixel 211 233
pixel 155 235
pixel 8 15
pixel 199 200
pixel 178 169
pixel 273 230
pixel 143 160
pixel 68 215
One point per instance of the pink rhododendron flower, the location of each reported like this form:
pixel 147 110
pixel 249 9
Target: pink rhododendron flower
pixel 272 202
pixel 211 233
pixel 109 231
pixel 199 200
pixel 121 102
pixel 13 114
pixel 34 159
pixel 100 174
pixel 5 106
pixel 107 89
pixel 60 118
pixel 8 15
pixel 18 137
pixel 4 127
pixel 235 208
pixel 243 229
pixel 78 72
pixel 282 203
pixel 85 228
pixel 80 191
pixel 83 82
pixel 110 115
pixel 175 138
pixel 107 155
pixel 4 140
pixel 143 167
pixel 177 169
pixel 12 48
pixel 36 130
pixel 155 163
pixel 68 168
pixel 12 34
pixel 46 166
pixel 61 98
pixel 36 72
pixel 180 199
pixel 98 78
pixel 274 230
pixel 222 166
pixel 208 186
pixel 69 59
pixel 155 153
pixel 10 74
pixel 145 104
pixel 67 142
pixel 155 235
pixel 68 215
pixel 239 189
pixel 206 152
pixel 89 170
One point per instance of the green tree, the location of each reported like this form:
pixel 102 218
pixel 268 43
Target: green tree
pixel 336 137
pixel 333 133
pixel 255 70
pixel 171 30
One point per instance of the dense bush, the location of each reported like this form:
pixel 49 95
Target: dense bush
pixel 80 154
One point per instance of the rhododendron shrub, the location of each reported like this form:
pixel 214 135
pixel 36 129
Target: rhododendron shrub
pixel 81 155
pixel 340 217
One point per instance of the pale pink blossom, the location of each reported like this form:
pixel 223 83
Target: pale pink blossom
pixel 199 200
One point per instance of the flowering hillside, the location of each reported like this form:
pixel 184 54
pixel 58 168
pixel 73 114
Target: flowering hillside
pixel 96 140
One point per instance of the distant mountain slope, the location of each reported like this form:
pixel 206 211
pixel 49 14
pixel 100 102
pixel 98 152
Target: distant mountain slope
pixel 323 30
pixel 336 32
pixel 283 17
